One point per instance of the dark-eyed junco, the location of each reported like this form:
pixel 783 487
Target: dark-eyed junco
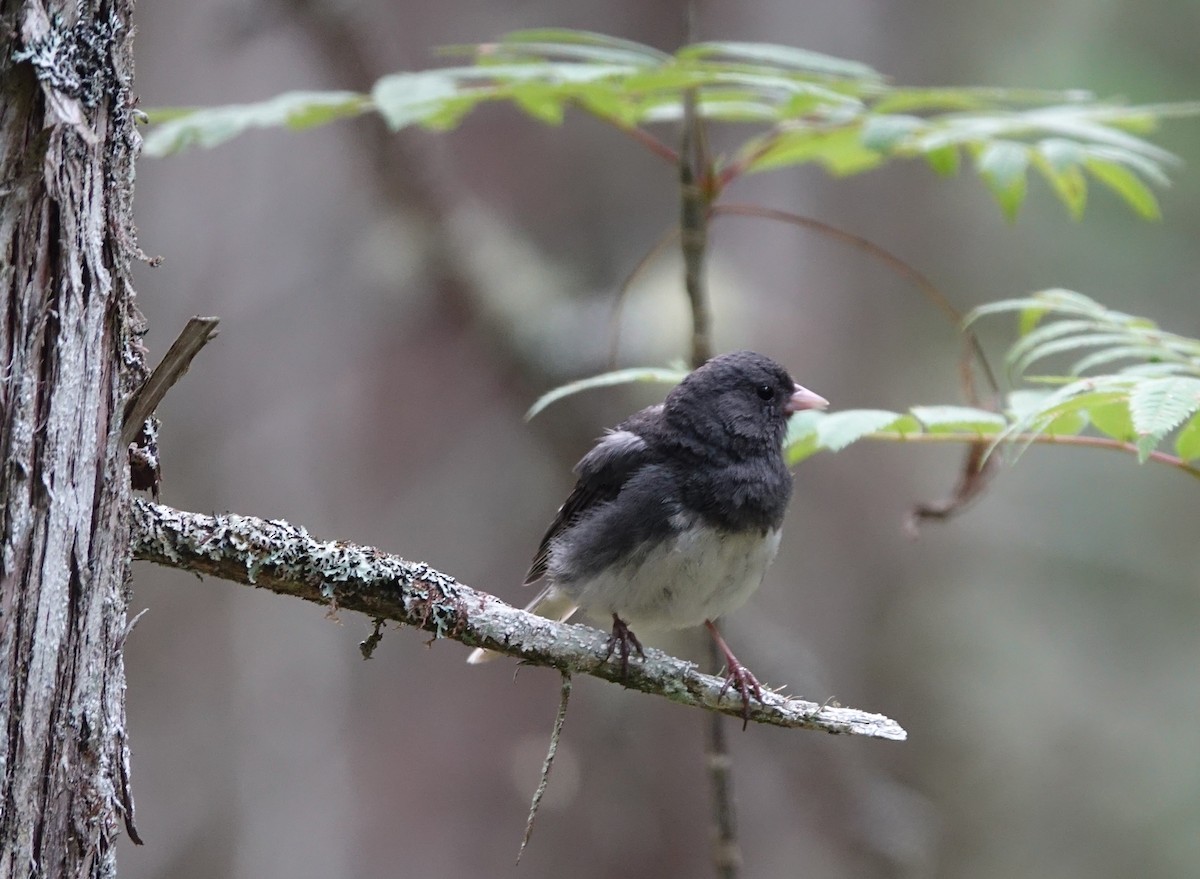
pixel 677 510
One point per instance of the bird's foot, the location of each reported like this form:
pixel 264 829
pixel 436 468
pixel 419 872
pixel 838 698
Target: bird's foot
pixel 622 640
pixel 736 675
pixel 746 683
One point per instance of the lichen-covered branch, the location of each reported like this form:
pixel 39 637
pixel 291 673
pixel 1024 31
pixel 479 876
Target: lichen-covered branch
pixel 283 558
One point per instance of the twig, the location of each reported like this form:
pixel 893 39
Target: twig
pixel 650 142
pixel 694 171
pixel 198 332
pixel 1048 439
pixel 283 558
pixel 695 198
pixel 614 323
pixel 978 470
pixel 564 694
pixel 727 852
pixel 898 265
pixel 972 478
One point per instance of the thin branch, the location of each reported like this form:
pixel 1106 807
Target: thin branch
pixel 973 473
pixel 695 202
pixel 618 311
pixel 918 278
pixel 727 852
pixel 650 142
pixel 283 558
pixel 198 332
pixel 564 695
pixel 977 472
pixel 694 172
pixel 1093 442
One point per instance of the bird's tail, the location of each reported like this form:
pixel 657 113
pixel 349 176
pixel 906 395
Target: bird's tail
pixel 550 603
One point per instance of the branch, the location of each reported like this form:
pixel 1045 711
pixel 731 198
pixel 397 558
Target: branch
pixel 283 558
pixel 1020 440
pixel 695 176
pixel 198 332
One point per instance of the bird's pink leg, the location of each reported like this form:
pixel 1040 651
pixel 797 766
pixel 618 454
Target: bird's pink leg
pixel 736 673
pixel 621 640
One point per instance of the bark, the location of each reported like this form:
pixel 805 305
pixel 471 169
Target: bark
pixel 70 356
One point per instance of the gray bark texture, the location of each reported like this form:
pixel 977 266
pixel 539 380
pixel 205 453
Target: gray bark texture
pixel 70 357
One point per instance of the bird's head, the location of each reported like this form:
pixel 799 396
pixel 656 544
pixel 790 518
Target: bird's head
pixel 742 398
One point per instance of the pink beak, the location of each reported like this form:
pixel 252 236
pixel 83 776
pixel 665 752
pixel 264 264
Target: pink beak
pixel 803 398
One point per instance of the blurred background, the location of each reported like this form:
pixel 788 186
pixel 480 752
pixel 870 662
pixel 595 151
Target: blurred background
pixel 391 305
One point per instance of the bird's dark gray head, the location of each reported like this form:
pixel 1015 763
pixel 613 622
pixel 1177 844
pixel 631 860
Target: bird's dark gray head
pixel 742 400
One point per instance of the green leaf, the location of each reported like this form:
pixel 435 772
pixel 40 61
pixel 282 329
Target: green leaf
pixel 1145 445
pixel 1127 185
pixel 1030 318
pixel 944 160
pixel 908 99
pixel 840 151
pixel 887 132
pixel 814 108
pixel 1113 419
pixel 1119 336
pixel 803 439
pixel 1113 354
pixel 1067 424
pixel 769 55
pixel 210 127
pixel 1055 299
pixel 1157 370
pixel 604 380
pixel 1057 161
pixel 1029 342
pixel 1187 444
pixel 1068 415
pixel 1061 154
pixel 839 429
pixel 549 43
pixel 406 99
pixel 1148 168
pixel 904 425
pixel 729 106
pixel 1079 395
pixel 541 101
pixel 1002 164
pixel 1072 343
pixel 1024 403
pixel 959 419
pixel 603 101
pixel 1001 306
pixel 1159 405
pixel 1094 125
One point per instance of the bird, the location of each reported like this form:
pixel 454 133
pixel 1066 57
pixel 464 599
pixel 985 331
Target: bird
pixel 677 510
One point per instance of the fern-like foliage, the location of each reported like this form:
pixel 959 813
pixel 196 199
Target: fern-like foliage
pixel 807 108
pixel 1149 387
pixel 1150 394
pixel 1149 391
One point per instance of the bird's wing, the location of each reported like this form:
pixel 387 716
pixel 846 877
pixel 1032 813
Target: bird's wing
pixel 602 473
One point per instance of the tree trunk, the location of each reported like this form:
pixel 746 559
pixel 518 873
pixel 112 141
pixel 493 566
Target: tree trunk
pixel 69 356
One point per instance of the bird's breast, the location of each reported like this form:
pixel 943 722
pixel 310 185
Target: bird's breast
pixel 698 573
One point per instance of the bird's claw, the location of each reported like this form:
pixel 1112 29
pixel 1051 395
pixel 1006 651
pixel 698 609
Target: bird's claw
pixel 621 640
pixel 746 684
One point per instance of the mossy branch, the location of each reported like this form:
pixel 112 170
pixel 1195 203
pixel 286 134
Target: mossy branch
pixel 275 555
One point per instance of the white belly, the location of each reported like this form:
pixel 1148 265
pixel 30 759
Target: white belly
pixel 697 576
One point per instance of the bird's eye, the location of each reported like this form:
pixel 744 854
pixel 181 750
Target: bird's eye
pixel 765 392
